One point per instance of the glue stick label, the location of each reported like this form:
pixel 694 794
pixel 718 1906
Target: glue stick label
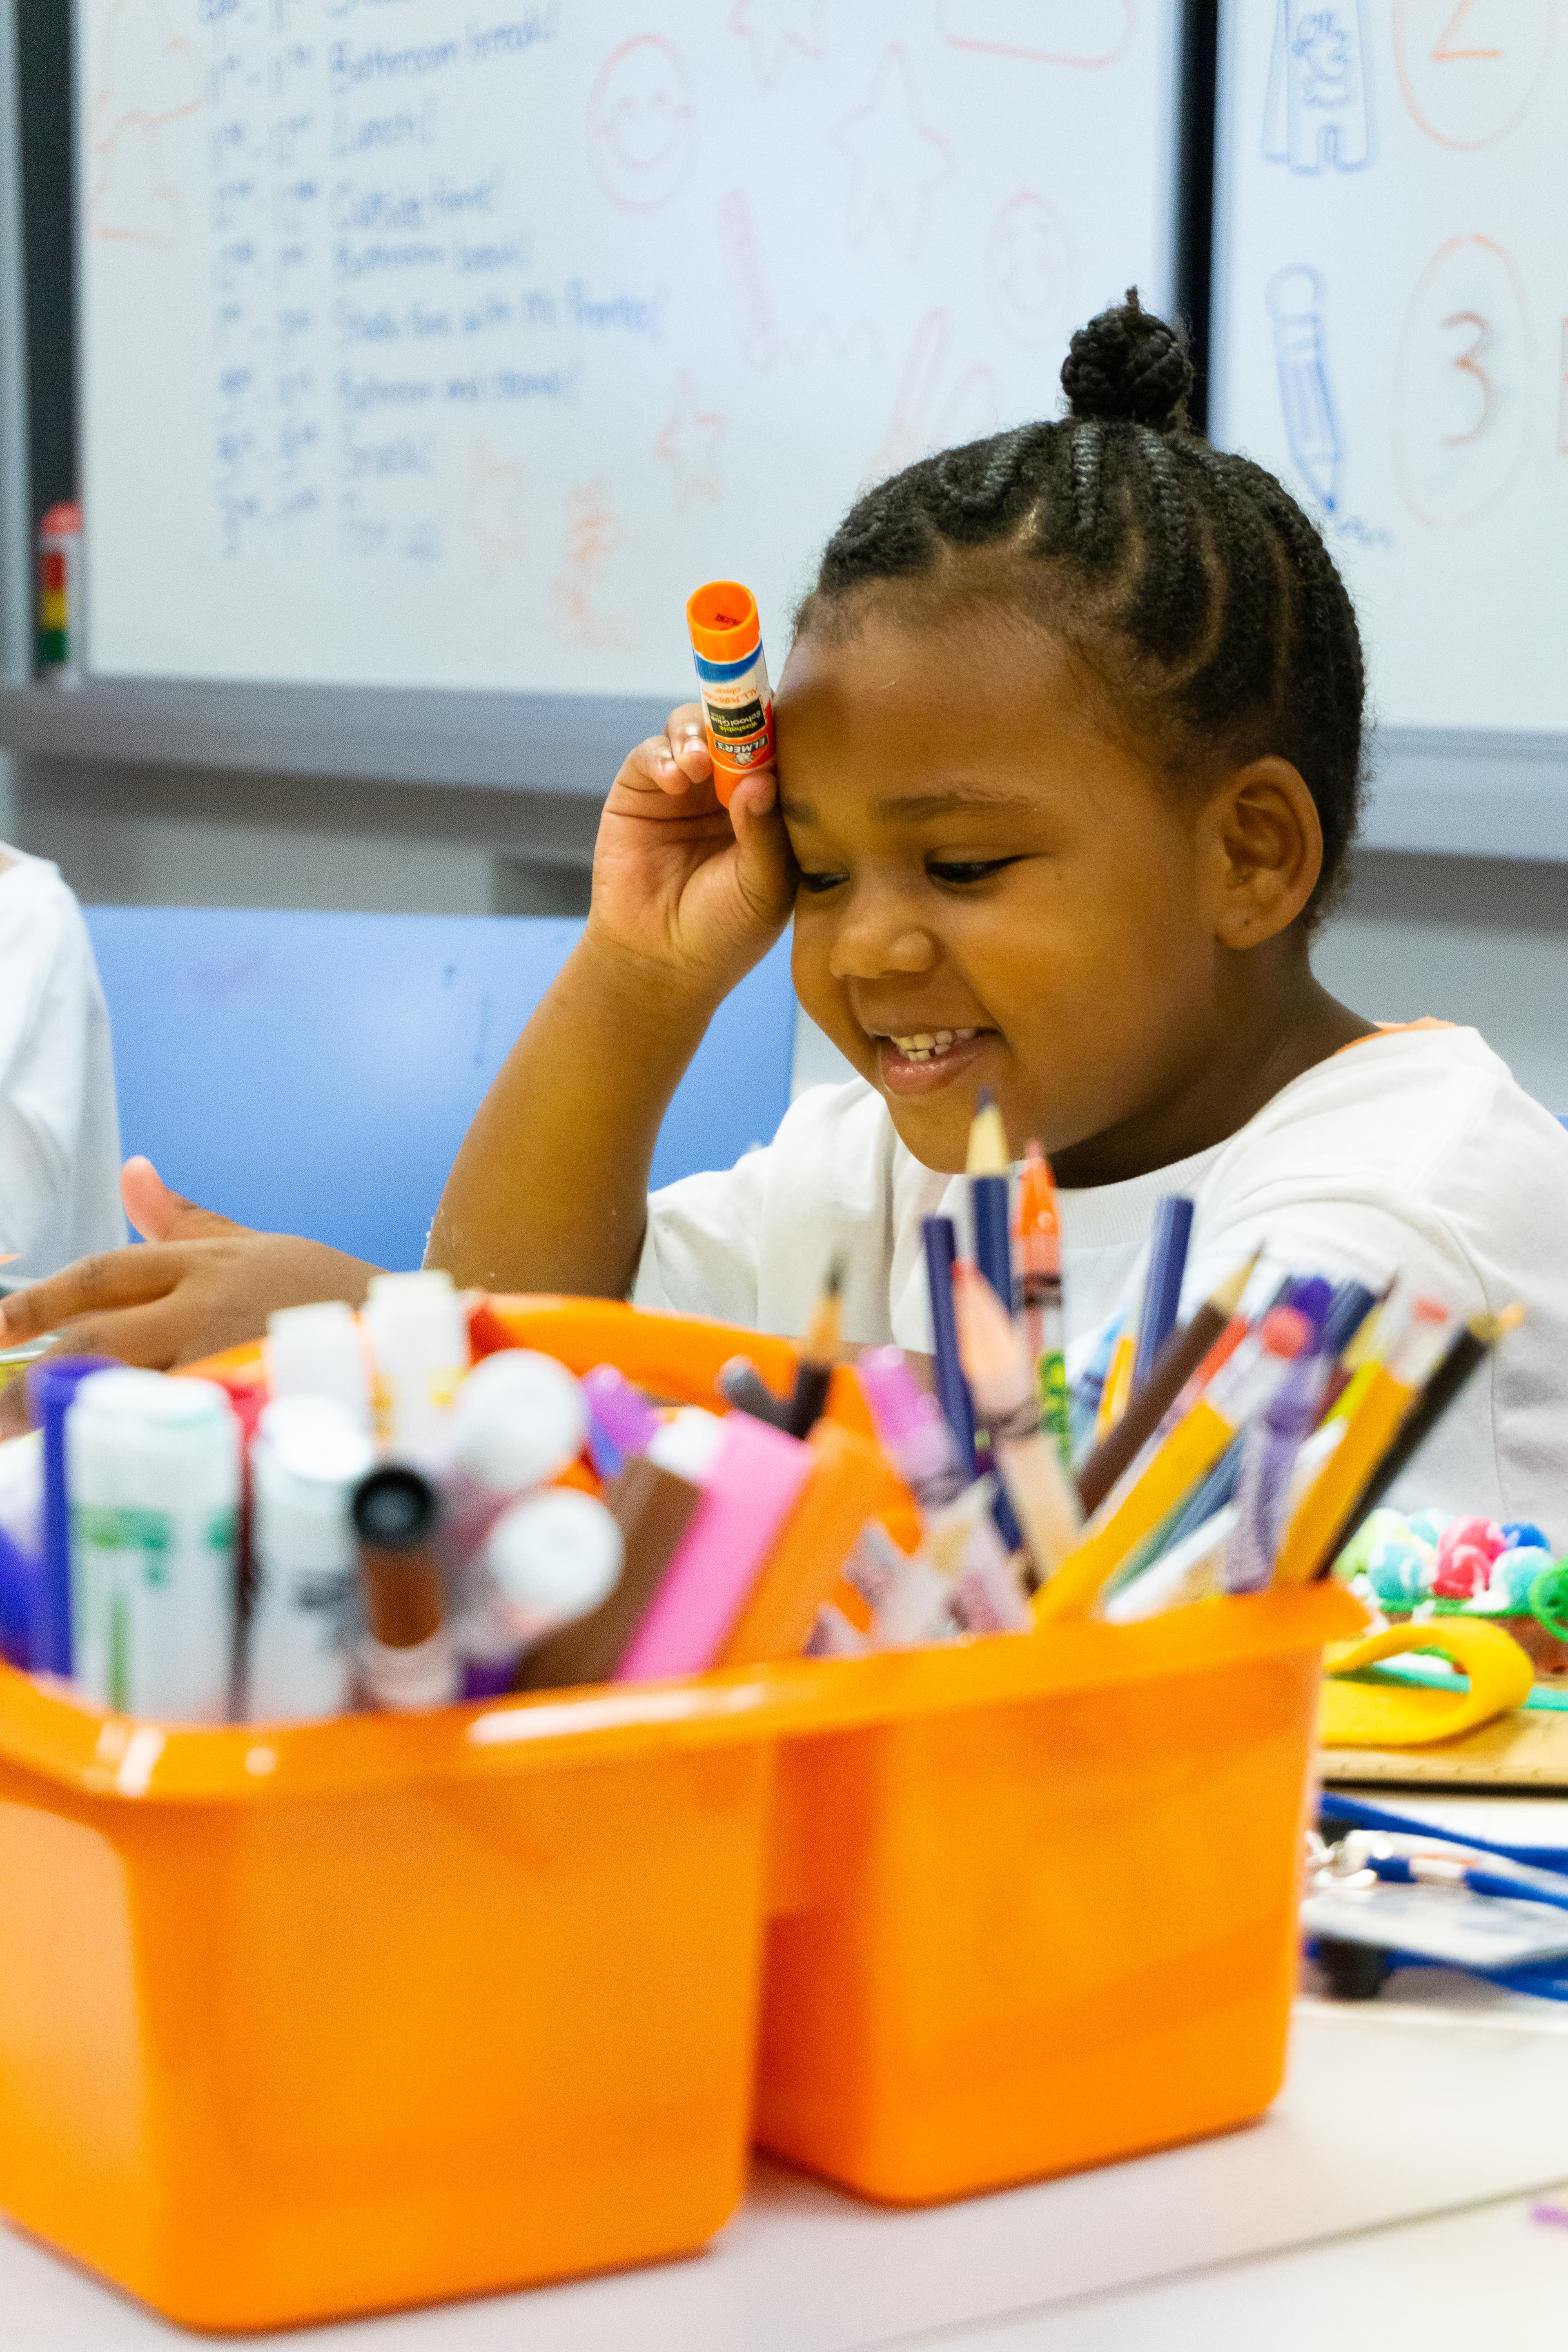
pixel 738 704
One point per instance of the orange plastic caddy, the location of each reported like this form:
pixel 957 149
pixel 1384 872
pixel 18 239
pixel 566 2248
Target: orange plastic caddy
pixel 300 2022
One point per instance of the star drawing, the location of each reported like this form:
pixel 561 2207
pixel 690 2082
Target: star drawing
pixel 896 161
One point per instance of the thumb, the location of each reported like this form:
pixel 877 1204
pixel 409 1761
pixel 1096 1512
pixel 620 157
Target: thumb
pixel 160 1215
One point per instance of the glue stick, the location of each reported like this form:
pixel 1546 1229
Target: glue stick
pixel 310 1454
pixel 153 1470
pixel 732 679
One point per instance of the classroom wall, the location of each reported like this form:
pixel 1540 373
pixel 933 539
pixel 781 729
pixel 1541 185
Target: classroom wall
pixel 1483 940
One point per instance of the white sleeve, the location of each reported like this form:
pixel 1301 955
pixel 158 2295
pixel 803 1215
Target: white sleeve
pixel 700 1252
pixel 58 1131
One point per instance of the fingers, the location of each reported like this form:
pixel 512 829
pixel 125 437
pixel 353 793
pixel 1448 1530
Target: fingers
pixel 115 1278
pixel 160 1214
pixel 765 866
pixel 687 738
pixel 674 762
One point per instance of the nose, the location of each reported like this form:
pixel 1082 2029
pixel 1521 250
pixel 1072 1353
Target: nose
pixel 878 934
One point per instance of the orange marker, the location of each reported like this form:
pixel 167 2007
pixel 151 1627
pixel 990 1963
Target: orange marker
pixel 732 679
pixel 1037 1253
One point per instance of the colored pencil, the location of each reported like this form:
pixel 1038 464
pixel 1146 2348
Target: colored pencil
pixel 995 1359
pixel 1163 1289
pixel 1178 1360
pixel 951 1389
pixel 1467 1350
pixel 818 1354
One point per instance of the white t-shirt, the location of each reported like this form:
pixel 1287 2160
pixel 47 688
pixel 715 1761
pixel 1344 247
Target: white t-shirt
pixel 60 1128
pixel 1412 1152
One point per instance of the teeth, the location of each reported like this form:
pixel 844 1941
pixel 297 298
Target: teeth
pixel 924 1045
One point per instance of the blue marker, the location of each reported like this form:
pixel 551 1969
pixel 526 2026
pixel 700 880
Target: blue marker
pixel 51 1385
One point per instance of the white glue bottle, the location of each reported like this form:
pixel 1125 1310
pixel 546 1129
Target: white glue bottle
pixel 153 1474
pixel 519 1418
pixel 310 1454
pixel 419 1336
pixel 317 1351
pixel 549 1559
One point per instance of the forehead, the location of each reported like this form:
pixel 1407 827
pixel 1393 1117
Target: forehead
pixel 898 709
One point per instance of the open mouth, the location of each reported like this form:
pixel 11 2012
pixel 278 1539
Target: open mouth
pixel 922 1059
pixel 927 1044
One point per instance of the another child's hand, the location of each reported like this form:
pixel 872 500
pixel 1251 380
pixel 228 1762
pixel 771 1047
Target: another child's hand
pixel 681 882
pixel 202 1284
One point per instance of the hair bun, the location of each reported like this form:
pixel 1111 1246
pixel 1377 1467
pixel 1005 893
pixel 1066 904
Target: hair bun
pixel 1128 367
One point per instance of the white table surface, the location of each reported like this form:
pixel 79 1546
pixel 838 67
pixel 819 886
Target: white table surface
pixel 1386 2191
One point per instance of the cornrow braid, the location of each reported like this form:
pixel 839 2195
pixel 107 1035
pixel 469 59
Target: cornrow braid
pixel 1203 594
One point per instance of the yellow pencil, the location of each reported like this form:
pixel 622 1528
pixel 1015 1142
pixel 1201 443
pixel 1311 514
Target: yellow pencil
pixel 1118 1389
pixel 1378 1398
pixel 1146 1495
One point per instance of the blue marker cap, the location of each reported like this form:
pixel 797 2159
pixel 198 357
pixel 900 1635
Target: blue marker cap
pixel 51 1385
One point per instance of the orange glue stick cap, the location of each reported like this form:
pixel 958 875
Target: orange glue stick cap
pixel 732 679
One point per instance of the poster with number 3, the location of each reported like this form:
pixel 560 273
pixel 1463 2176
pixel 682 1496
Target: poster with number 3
pixel 1392 327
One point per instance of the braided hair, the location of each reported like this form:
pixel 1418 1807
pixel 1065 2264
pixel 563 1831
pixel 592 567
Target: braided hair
pixel 1188 580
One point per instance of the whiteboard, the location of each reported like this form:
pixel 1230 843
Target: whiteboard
pixel 1391 327
pixel 452 347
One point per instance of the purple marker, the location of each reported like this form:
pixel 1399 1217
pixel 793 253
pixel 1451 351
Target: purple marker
pixel 1269 1456
pixel 914 1428
pixel 620 1419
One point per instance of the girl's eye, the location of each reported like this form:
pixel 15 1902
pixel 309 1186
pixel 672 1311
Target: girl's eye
pixel 969 870
pixel 818 883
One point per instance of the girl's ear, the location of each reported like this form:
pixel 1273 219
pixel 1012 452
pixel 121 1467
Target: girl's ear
pixel 1270 844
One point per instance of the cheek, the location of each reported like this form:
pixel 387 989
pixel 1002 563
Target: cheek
pixel 820 995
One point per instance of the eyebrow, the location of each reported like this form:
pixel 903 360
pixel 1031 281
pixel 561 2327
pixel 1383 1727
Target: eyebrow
pixel 921 804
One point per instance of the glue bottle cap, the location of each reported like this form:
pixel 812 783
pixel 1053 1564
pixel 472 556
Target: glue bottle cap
pixel 722 619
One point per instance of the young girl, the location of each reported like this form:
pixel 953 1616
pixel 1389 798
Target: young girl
pixel 1069 747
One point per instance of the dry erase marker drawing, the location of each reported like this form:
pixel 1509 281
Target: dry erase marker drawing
pixel 750 297
pixel 896 159
pixel 692 444
pixel 778 31
pixel 642 123
pixel 493 507
pixel 1048 32
pixel 1460 415
pixel 1295 300
pixel 131 199
pixel 1030 273
pixel 593 535
pixel 148 72
pixel 1317 114
pixel 931 409
pixel 1467 73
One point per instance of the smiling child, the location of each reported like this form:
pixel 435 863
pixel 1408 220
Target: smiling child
pixel 1069 754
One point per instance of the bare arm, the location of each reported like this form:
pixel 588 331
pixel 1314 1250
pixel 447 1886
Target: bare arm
pixel 549 1190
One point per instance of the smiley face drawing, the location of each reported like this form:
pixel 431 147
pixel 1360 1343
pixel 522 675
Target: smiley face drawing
pixel 642 123
pixel 1029 270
